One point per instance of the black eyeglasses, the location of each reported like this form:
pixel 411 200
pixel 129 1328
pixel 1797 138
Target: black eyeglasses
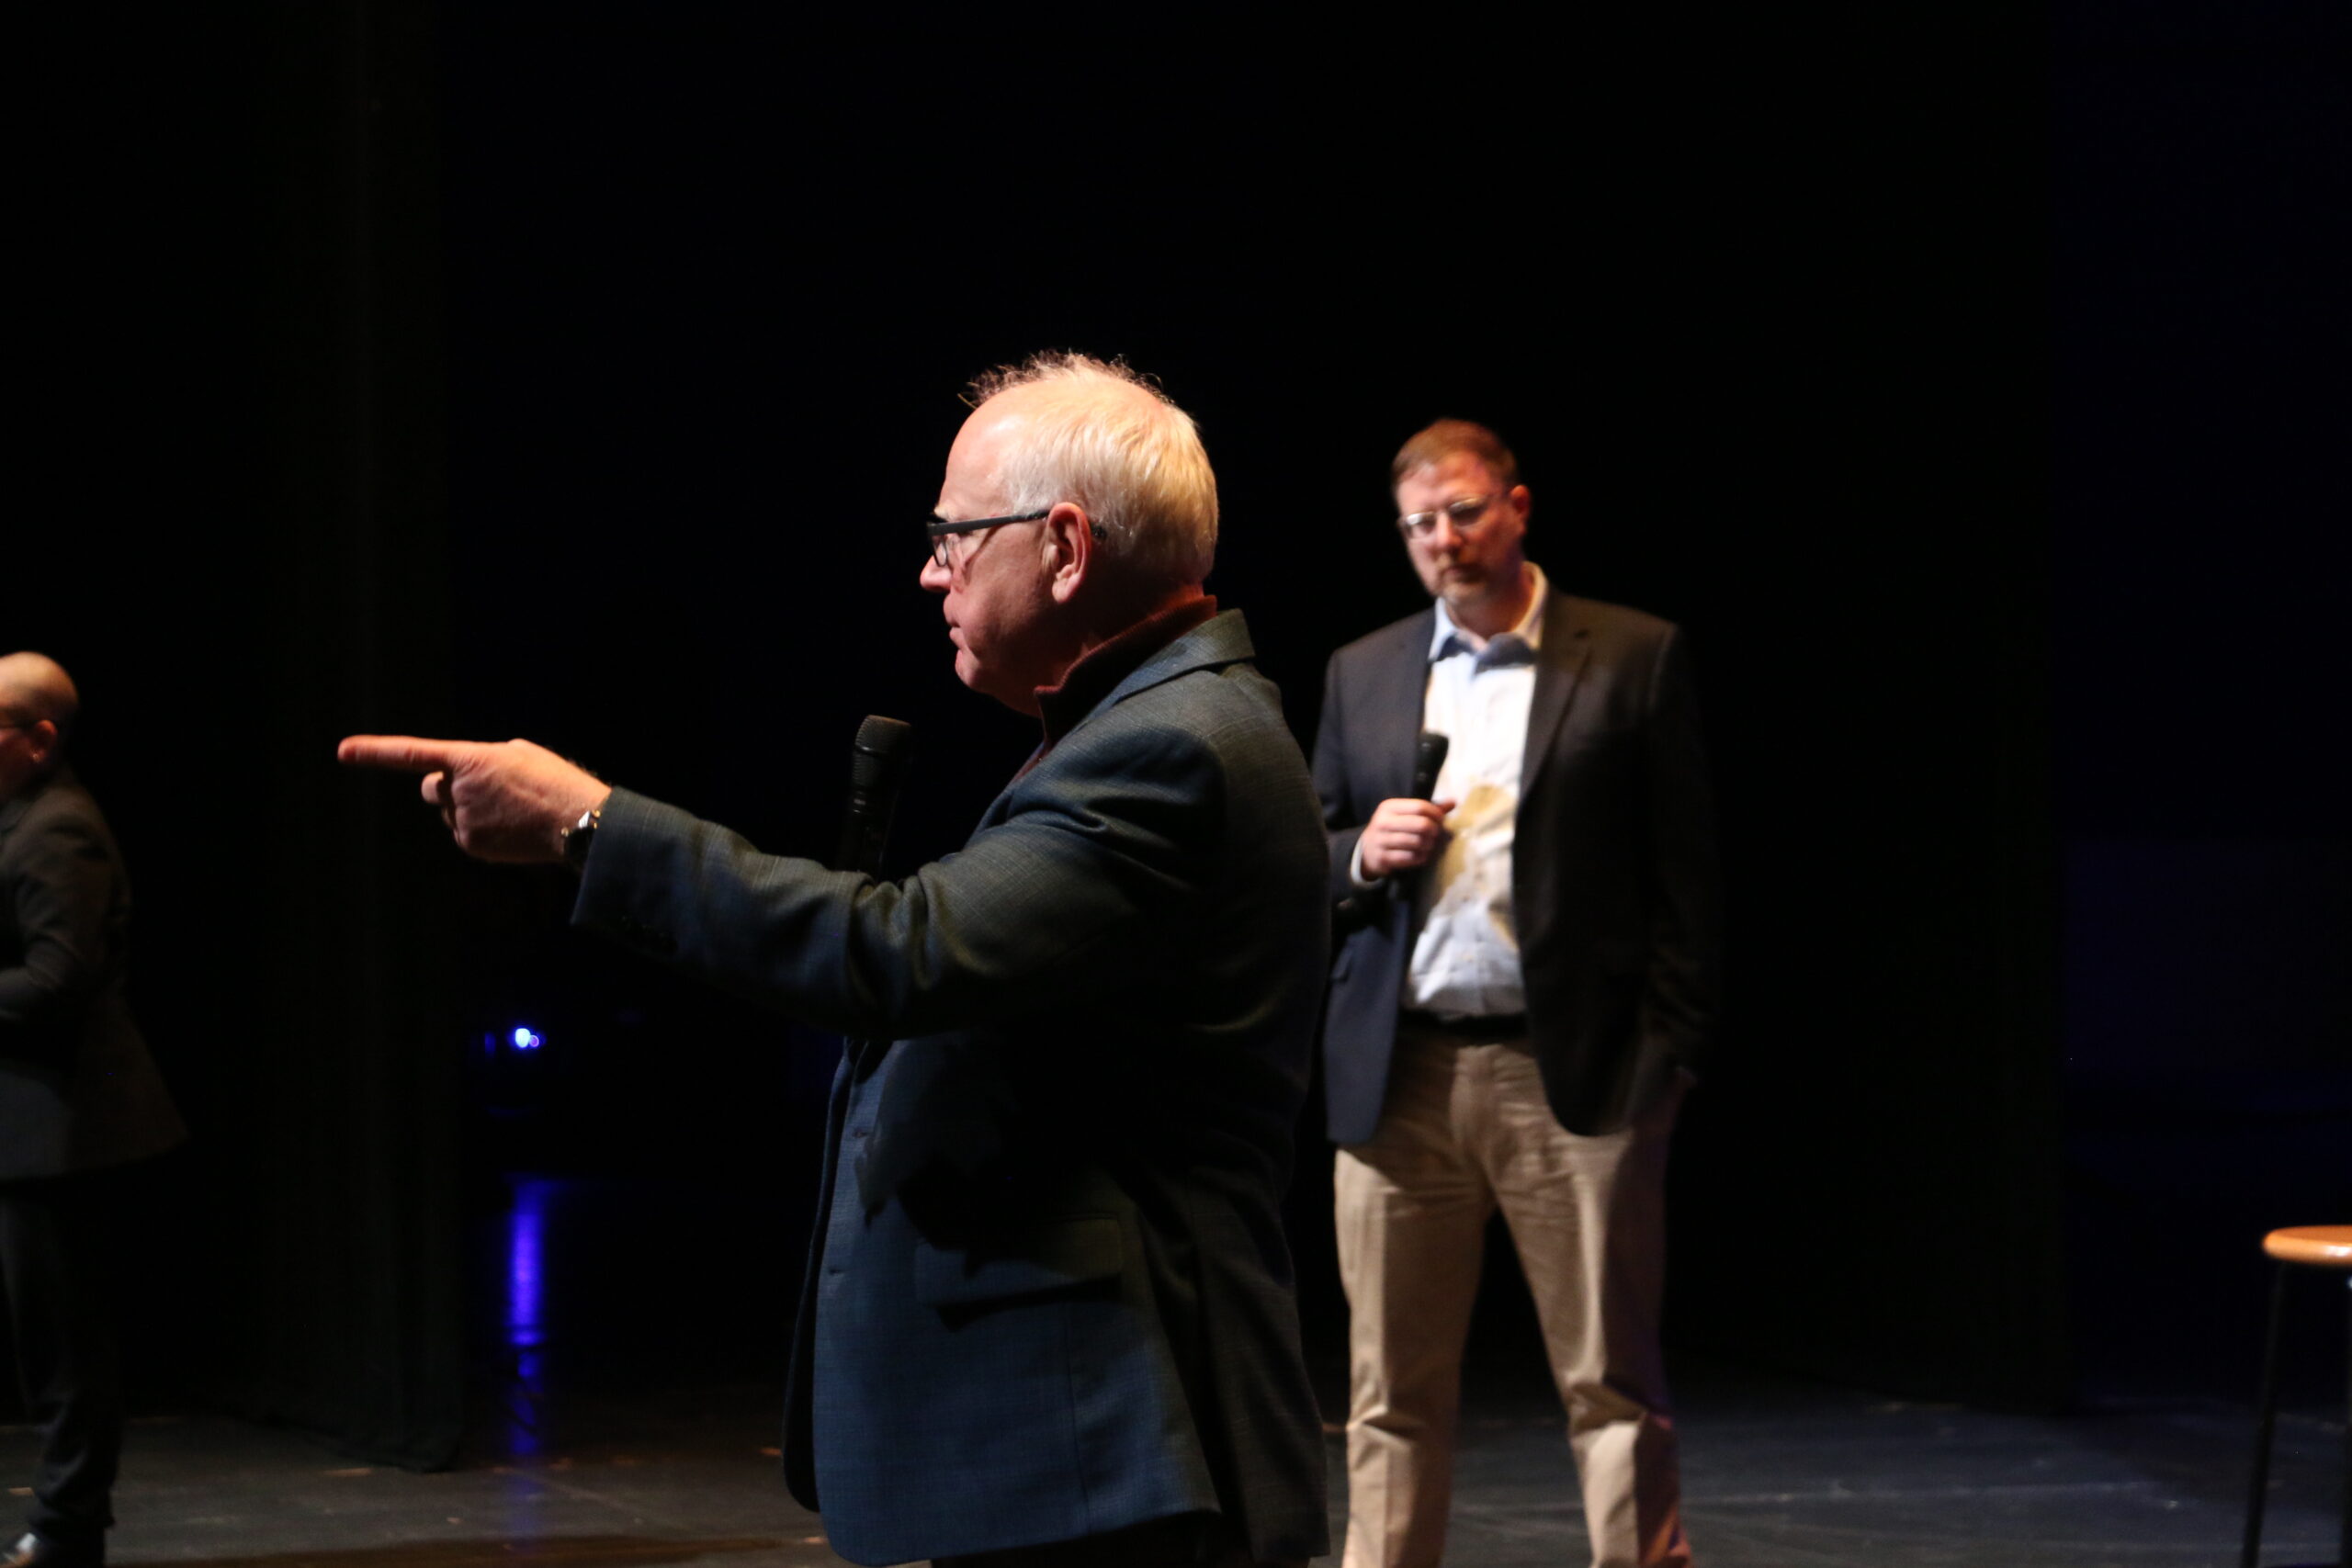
pixel 936 531
pixel 1464 515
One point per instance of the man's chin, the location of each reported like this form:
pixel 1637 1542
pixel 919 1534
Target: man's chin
pixel 981 681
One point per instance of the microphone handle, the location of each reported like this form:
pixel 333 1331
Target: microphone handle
pixel 878 763
pixel 877 766
pixel 866 829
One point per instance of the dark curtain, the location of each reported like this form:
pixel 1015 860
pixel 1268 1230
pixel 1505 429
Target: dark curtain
pixel 1868 1191
pixel 348 1270
pixel 249 562
pixel 2204 185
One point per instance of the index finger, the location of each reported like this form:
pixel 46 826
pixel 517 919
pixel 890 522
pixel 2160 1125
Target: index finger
pixel 407 753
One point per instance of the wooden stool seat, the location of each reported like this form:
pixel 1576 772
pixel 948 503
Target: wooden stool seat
pixel 2319 1246
pixel 2308 1247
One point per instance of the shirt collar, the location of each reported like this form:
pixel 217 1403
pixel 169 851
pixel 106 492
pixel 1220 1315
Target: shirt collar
pixel 1085 684
pixel 1446 638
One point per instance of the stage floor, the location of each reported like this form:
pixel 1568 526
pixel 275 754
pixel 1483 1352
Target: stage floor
pixel 1778 1474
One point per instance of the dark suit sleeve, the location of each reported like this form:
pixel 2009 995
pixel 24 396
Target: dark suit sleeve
pixel 59 880
pixel 1068 898
pixel 1331 787
pixel 1684 978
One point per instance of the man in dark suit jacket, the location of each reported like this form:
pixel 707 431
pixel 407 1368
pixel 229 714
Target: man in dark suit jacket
pixel 1527 983
pixel 1048 1314
pixel 78 1097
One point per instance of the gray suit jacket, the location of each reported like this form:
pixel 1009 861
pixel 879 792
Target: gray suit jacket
pixel 77 1089
pixel 1063 1302
pixel 1614 885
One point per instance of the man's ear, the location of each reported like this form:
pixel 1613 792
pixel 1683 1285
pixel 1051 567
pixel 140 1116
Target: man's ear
pixel 1069 549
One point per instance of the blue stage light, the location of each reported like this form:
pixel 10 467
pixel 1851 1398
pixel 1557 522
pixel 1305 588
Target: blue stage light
pixel 527 1039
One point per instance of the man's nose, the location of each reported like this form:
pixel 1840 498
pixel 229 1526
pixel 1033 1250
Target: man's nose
pixel 933 576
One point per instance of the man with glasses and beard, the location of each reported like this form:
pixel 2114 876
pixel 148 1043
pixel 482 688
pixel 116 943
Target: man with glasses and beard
pixel 1049 1315
pixel 1526 981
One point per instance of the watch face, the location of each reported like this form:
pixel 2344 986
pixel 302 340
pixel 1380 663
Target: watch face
pixel 576 842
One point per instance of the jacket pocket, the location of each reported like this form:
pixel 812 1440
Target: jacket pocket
pixel 1054 1257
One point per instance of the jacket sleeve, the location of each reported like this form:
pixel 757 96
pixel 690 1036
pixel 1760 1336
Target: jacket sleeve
pixel 1071 894
pixel 1684 979
pixel 1331 789
pixel 59 881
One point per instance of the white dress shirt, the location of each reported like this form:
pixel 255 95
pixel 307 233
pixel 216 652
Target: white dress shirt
pixel 1465 960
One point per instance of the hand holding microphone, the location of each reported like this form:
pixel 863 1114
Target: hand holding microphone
pixel 1404 832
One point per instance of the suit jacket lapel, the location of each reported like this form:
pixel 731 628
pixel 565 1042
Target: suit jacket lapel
pixel 1566 643
pixel 1402 680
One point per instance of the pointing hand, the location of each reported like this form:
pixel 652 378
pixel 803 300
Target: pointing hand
pixel 509 801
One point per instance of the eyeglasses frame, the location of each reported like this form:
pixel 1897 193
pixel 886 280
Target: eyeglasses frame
pixel 937 530
pixel 1421 525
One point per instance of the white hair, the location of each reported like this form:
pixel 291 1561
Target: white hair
pixel 1101 435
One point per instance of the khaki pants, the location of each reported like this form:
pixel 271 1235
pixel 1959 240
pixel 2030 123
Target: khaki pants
pixel 1467 1129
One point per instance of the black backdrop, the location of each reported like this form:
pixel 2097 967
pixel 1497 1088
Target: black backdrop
pixel 581 374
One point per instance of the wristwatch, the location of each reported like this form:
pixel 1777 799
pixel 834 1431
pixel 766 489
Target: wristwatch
pixel 577 838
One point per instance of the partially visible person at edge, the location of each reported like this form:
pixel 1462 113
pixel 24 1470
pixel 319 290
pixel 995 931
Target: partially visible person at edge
pixel 1527 989
pixel 1049 1315
pixel 79 1101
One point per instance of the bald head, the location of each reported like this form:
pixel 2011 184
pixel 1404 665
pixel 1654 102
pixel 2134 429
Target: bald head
pixel 1091 431
pixel 37 706
pixel 34 686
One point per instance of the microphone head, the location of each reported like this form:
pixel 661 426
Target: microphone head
pixel 880 752
pixel 1429 761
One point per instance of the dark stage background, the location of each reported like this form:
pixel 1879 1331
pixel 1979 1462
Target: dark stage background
pixel 1973 392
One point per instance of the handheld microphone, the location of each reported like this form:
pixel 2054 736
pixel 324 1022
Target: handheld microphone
pixel 1429 758
pixel 877 765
